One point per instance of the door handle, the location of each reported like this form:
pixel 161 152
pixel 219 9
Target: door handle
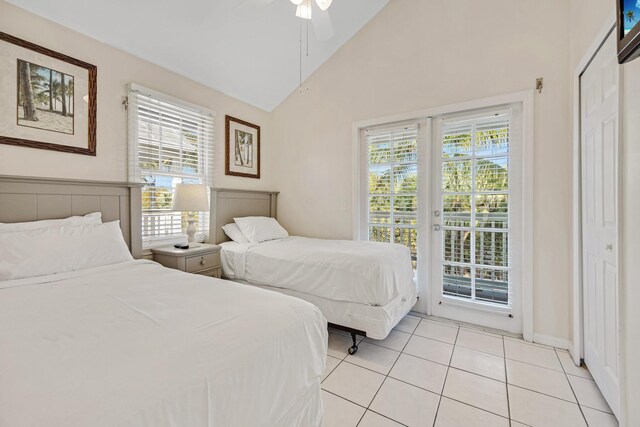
pixel 436 227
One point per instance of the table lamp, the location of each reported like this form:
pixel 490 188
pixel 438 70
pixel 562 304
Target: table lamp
pixel 190 198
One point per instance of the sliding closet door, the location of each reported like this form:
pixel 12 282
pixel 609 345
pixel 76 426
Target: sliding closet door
pixel 599 146
pixel 476 218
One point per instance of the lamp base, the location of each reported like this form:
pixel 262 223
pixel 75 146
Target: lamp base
pixel 191 229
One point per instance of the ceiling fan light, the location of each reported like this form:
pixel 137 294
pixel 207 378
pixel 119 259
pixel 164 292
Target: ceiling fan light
pixel 304 10
pixel 296 2
pixel 323 4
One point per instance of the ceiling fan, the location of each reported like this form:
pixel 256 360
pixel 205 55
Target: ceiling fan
pixel 321 21
pixel 304 9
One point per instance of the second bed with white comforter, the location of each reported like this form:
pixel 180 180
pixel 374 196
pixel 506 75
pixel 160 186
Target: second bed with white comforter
pixel 367 286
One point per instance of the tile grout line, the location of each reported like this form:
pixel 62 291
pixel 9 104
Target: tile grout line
pixel 365 409
pixel 342 397
pixel 571 387
pixel 474 406
pixel 440 394
pixel 433 392
pixel 398 422
pixel 506 382
pixel 444 383
pixel 387 376
pixel 545 394
pixel 449 367
pixel 419 387
pixel 439 364
pixel 464 325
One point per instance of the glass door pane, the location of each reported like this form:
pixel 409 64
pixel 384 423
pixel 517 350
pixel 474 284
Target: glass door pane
pixel 475 209
pixel 393 182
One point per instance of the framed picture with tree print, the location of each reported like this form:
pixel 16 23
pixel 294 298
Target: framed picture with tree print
pixel 242 148
pixel 47 99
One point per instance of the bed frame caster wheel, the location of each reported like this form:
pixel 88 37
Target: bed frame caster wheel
pixel 353 349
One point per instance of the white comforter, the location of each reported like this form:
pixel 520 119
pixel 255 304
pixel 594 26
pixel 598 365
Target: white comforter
pixel 135 344
pixel 340 270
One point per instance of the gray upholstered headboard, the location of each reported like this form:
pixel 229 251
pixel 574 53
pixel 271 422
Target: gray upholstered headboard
pixel 31 199
pixel 227 204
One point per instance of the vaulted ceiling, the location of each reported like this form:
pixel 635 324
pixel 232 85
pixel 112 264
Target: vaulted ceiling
pixel 248 49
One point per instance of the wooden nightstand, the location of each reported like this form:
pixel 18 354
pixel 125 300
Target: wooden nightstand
pixel 201 259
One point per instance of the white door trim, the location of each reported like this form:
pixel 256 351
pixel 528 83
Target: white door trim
pixel 526 98
pixel 577 348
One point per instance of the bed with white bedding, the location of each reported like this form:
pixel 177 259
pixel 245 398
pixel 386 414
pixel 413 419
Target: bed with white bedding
pixel 365 286
pixel 136 344
pixel 91 337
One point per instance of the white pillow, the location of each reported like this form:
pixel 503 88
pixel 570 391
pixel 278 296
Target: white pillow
pixel 55 250
pixel 233 231
pixel 260 228
pixel 89 219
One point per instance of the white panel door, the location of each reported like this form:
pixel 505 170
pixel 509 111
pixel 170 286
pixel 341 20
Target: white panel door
pixel 599 133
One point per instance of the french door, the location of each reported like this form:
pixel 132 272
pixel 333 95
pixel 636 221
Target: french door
pixel 599 148
pixel 476 218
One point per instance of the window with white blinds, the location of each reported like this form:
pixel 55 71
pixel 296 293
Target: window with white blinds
pixel 170 142
pixel 392 154
pixel 475 208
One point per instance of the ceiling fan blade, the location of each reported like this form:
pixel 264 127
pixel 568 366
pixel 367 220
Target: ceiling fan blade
pixel 322 26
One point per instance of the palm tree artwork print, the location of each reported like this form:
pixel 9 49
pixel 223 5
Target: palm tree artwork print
pixel 243 149
pixel 630 14
pixel 45 98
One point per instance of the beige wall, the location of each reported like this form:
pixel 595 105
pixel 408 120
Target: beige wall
pixel 421 54
pixel 115 70
pixel 588 18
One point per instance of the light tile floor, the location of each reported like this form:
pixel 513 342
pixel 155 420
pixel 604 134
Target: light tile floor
pixel 429 372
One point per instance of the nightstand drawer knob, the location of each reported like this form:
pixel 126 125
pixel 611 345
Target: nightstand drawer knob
pixel 203 261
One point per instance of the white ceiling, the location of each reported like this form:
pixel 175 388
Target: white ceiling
pixel 245 48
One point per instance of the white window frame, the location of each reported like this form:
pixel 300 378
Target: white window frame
pixel 526 99
pixel 136 173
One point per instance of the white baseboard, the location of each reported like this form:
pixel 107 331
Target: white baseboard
pixel 552 341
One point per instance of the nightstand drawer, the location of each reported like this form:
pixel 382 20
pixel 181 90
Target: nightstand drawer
pixel 202 262
pixel 214 272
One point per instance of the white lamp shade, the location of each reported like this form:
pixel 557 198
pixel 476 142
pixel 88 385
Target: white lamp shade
pixel 190 198
pixel 304 10
pixel 323 4
pixel 296 2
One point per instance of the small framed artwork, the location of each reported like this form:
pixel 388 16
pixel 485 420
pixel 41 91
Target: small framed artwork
pixel 47 99
pixel 242 148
